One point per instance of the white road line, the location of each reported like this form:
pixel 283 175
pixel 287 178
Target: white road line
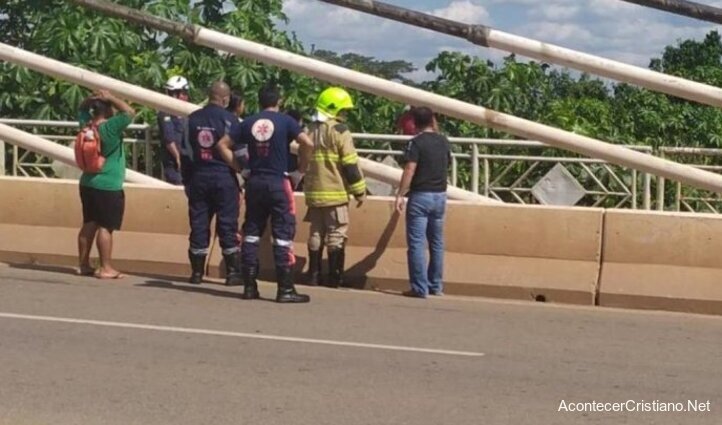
pixel 238 335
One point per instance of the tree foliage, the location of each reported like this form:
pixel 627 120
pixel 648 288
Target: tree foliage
pixel 390 70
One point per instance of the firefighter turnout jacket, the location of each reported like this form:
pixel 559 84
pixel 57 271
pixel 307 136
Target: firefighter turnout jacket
pixel 333 173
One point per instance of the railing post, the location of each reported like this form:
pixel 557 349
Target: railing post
pixel 678 197
pixel 134 151
pixel 487 176
pixel 15 161
pixel 2 158
pixel 454 171
pixel 647 191
pixel 634 189
pixel 148 153
pixel 475 168
pixel 660 193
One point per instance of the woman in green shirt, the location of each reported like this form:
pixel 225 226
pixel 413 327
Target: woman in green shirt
pixel 102 193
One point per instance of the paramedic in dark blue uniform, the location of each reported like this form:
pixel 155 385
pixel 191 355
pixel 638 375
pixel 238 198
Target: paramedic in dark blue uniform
pixel 172 135
pixel 269 191
pixel 213 188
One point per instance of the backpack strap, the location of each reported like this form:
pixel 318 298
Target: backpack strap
pixel 96 128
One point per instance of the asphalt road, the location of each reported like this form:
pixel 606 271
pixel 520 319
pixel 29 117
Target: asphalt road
pixel 150 351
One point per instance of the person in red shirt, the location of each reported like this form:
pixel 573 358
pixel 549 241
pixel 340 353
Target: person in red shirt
pixel 405 124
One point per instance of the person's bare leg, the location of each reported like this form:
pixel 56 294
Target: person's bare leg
pixel 105 248
pixel 86 236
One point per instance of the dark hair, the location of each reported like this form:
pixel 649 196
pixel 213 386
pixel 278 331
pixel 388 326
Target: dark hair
pixel 295 114
pixel 423 117
pixel 269 96
pixel 235 102
pixel 99 108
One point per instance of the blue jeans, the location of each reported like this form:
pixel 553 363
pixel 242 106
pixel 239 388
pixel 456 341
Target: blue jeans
pixel 425 222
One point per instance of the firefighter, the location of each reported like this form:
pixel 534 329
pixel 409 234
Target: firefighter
pixel 172 131
pixel 333 175
pixel 213 188
pixel 269 191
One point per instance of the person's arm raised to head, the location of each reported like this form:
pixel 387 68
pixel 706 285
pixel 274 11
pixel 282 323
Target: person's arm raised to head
pixel 117 124
pixel 117 102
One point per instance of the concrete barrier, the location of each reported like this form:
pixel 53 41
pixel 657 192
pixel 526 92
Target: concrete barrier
pixel 498 251
pixel 520 252
pixel 648 260
pixel 665 261
pixel 40 218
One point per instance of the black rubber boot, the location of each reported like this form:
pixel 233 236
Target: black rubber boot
pixel 286 291
pixel 198 267
pixel 313 277
pixel 336 260
pixel 233 269
pixel 250 285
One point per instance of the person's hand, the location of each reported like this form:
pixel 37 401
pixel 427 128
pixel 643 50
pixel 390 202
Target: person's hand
pixel 400 203
pixel 103 95
pixel 296 177
pixel 360 199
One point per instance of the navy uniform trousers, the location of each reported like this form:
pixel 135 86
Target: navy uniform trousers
pixel 213 193
pixel 269 195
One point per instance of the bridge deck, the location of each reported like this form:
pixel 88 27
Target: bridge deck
pixel 150 351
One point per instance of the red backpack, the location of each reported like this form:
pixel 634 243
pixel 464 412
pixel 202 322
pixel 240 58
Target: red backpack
pixel 88 155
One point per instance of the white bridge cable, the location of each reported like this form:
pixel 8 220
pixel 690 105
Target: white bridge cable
pixel 485 36
pixel 410 95
pixel 174 106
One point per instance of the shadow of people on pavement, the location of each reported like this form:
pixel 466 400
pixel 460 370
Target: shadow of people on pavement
pixel 197 289
pixel 45 268
pixel 357 275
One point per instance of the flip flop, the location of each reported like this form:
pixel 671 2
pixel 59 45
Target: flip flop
pixel 119 275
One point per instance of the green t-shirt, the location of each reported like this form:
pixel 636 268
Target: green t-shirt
pixel 112 175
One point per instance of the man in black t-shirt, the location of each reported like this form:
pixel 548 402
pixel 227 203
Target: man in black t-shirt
pixel 427 159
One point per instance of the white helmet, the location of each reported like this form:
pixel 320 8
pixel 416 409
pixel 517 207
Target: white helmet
pixel 176 83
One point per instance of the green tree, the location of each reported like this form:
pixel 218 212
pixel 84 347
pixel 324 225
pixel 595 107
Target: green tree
pixel 390 70
pixel 138 55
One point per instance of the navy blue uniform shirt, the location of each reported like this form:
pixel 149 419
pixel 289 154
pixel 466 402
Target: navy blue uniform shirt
pixel 206 127
pixel 268 136
pixel 171 130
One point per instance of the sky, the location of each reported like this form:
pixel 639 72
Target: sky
pixel 610 28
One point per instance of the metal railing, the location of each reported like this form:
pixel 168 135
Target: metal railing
pixel 690 199
pixel 28 164
pixel 507 170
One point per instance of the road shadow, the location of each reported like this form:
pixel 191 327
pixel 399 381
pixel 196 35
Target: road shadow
pixel 194 289
pixel 357 275
pixel 45 268
pixel 72 270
